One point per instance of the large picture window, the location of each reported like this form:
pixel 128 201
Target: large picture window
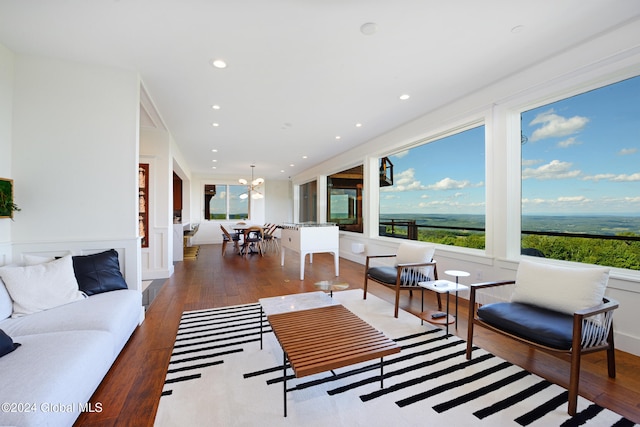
pixel 223 202
pixel 435 192
pixel 581 177
pixel 309 202
pixel 344 204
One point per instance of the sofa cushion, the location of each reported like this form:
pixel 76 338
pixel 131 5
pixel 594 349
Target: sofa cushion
pixel 117 313
pixel 6 344
pixel 563 289
pixel 536 324
pixel 58 368
pixel 99 272
pixel 388 275
pixel 41 287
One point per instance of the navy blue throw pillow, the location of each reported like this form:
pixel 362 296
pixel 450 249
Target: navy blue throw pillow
pixel 98 273
pixel 6 344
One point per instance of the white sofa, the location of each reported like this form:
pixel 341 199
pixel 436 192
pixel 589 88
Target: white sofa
pixel 64 353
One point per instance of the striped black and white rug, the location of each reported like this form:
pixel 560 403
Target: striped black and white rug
pixel 219 376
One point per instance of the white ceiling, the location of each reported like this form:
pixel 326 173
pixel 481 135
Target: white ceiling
pixel 300 72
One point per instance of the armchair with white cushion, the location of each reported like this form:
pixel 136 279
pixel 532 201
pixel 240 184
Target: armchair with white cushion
pixel 554 308
pixel 413 263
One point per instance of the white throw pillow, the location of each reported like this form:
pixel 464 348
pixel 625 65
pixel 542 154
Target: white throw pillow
pixel 36 259
pixel 415 253
pixel 563 289
pixel 41 287
pixel 6 304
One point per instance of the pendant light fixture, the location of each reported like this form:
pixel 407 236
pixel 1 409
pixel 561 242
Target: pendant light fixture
pixel 252 186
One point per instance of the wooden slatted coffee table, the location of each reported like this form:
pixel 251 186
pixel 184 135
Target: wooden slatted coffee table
pixel 326 338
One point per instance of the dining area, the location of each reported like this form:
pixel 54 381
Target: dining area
pixel 249 239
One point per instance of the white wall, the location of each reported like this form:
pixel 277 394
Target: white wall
pixel 6 107
pixel 155 150
pixel 611 57
pixel 75 157
pixel 278 202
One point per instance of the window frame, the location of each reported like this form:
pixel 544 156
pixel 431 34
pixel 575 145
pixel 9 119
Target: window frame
pixel 472 121
pixel 548 95
pixel 227 202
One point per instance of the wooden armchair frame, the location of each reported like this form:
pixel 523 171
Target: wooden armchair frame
pixel 406 271
pixel 588 336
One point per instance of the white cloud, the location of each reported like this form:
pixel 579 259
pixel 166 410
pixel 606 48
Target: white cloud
pixel 562 200
pixel 552 170
pixel 554 125
pixel 531 162
pixel 569 142
pixel 627 151
pixel 404 181
pixel 613 177
pixel 626 178
pixel 573 199
pixel 401 154
pixel 452 184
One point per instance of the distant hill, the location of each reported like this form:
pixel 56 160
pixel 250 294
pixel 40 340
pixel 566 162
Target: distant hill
pixel 596 224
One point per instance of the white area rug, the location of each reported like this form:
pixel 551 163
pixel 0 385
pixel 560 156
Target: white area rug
pixel 219 376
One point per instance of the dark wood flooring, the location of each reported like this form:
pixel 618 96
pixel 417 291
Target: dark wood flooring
pixel 130 392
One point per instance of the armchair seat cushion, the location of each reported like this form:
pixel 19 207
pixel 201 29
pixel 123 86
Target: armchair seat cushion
pixel 539 325
pixel 388 275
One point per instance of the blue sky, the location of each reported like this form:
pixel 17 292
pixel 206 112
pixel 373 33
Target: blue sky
pixel 582 156
pixel 440 177
pixel 583 153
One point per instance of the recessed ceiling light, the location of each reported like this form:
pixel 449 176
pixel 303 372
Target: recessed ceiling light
pixel 358 125
pixel 215 107
pixel 338 137
pixel 369 28
pixel 214 160
pixel 214 150
pixel 215 125
pixel 281 170
pixel 219 63
pixel 214 167
pixel 405 96
pixel 292 165
pixel 304 157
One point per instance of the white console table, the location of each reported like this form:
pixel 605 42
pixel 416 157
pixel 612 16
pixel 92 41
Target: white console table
pixel 310 238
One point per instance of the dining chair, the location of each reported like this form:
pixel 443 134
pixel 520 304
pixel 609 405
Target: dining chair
pixel 253 237
pixel 270 240
pixel 228 237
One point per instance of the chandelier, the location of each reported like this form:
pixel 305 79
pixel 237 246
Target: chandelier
pixel 252 187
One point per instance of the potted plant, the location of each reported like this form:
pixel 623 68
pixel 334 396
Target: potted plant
pixel 7 206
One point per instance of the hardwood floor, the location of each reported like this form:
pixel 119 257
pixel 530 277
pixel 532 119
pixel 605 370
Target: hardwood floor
pixel 130 393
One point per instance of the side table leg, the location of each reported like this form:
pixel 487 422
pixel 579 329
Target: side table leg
pixel 447 315
pixel 284 380
pixel 456 310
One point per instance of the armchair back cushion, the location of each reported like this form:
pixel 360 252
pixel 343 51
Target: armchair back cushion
pixel 413 253
pixel 562 289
